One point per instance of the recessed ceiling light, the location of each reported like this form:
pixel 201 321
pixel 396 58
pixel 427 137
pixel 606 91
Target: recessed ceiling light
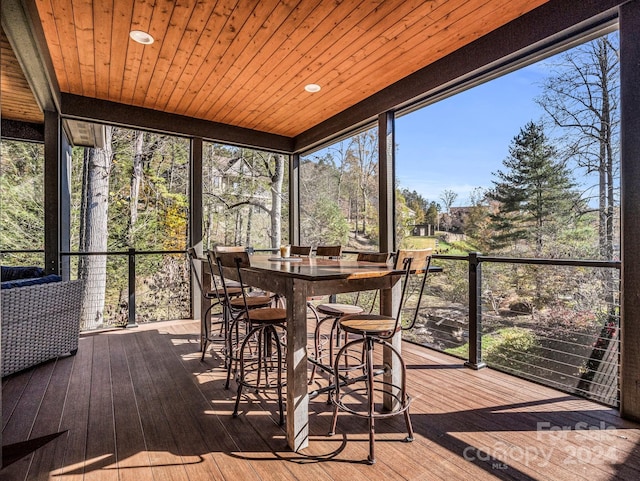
pixel 141 37
pixel 312 88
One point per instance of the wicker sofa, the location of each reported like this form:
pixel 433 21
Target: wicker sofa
pixel 39 322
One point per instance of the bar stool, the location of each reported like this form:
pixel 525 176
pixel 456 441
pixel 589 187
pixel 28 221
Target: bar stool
pixel 376 330
pixel 255 351
pixel 229 297
pixel 334 311
pixel 216 295
pixel 234 307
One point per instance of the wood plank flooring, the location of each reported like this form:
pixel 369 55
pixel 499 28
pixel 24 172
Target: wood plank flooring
pixel 138 405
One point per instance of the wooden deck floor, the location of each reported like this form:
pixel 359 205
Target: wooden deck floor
pixel 139 405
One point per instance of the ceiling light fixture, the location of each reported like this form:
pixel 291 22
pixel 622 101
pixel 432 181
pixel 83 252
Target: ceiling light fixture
pixel 313 88
pixel 141 37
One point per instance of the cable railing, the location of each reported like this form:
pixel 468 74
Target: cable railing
pixel 552 321
pixel 123 288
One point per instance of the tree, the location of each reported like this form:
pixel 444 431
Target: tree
pixel 341 180
pixel 476 220
pixel 22 185
pixel 323 214
pixel 239 185
pixel 581 98
pixel 362 167
pixel 418 204
pixel 535 193
pixel 136 179
pixel 93 231
pixel 448 197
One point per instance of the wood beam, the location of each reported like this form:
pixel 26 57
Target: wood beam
pixel 630 209
pixel 526 36
pixel 95 110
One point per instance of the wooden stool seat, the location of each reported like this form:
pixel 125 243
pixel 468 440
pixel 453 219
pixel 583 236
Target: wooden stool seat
pixel 269 315
pixel 369 325
pixel 338 310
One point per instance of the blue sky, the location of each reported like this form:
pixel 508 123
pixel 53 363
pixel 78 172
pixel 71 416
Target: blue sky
pixel 457 143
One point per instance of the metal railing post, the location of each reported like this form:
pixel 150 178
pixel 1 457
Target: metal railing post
pixel 475 313
pixel 132 288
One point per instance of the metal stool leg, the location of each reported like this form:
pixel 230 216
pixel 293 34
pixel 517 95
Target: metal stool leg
pixel 370 393
pixel 265 335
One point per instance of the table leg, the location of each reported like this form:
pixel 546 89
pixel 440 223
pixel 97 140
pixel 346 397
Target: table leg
pixel 389 304
pixel 297 369
pixel 204 305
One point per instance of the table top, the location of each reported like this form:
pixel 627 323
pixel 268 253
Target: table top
pixel 312 268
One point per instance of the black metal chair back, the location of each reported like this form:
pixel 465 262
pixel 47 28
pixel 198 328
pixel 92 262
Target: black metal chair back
pixel 414 262
pixel 234 260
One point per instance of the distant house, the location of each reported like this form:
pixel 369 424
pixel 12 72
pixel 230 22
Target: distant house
pixel 423 230
pixel 236 177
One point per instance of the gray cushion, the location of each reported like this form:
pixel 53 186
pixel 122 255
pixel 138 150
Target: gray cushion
pixel 30 282
pixel 12 273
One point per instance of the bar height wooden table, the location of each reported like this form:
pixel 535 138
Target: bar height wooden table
pixel 296 280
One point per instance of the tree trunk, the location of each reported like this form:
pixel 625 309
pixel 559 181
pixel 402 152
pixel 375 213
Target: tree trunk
pixel 248 233
pixel 276 200
pixel 364 210
pixel 134 190
pixel 93 269
pixel 607 149
pixel 237 231
pixel 208 228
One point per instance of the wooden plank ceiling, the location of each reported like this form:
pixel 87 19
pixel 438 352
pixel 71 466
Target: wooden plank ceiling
pixel 16 98
pixel 245 63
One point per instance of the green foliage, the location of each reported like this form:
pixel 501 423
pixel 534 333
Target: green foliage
pixel 343 176
pixel 22 187
pixel 331 226
pixel 507 347
pixel 453 284
pixel 418 204
pixel 536 196
pixel 241 189
pixel 431 216
pixel 404 217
